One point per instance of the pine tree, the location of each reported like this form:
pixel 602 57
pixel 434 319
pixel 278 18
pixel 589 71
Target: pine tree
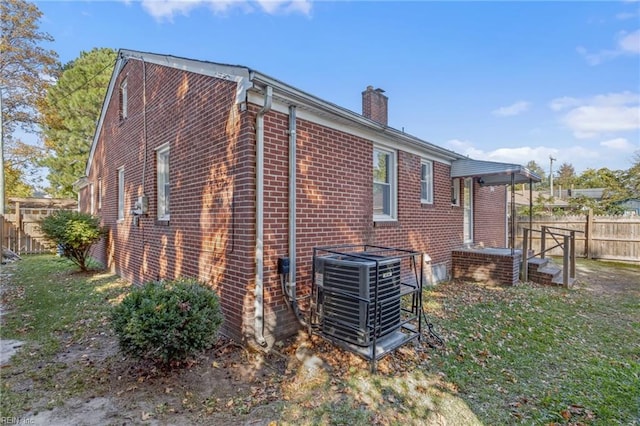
pixel 70 112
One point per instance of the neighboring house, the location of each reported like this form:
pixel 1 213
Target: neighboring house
pixel 216 171
pixel 631 206
pixel 522 197
pixel 592 193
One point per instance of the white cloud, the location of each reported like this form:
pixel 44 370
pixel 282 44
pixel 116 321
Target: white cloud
pixel 619 144
pixel 516 155
pixel 626 44
pixel 626 15
pixel 608 113
pixel 578 156
pixel 590 121
pixel 275 6
pixel 513 109
pixel 166 10
pixel 564 102
pixel 630 42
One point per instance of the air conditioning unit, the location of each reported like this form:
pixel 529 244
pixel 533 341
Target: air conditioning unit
pixel 358 296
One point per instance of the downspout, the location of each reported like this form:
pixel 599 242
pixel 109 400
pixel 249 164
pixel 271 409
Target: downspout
pixel 292 294
pixel 259 290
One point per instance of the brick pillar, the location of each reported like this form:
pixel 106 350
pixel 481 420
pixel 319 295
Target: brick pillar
pixel 374 105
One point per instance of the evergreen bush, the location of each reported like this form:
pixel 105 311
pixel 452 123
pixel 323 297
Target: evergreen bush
pixel 74 233
pixel 167 321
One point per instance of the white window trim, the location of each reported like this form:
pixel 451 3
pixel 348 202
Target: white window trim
pixel 92 192
pixel 121 193
pixel 124 99
pixel 468 194
pixel 99 194
pixel 393 186
pixel 455 196
pixel 424 162
pixel 161 212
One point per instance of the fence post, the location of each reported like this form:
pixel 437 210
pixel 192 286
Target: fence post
pixel 572 258
pixel 588 235
pixel 19 226
pixel 565 261
pixel 543 242
pixel 525 256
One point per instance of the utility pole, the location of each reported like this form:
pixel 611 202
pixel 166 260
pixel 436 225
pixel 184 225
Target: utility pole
pixel 551 160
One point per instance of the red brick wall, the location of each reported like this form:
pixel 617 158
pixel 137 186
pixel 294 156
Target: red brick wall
pixel 489 210
pixel 335 205
pixel 211 234
pixel 475 265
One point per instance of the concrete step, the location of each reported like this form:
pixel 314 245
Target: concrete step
pixel 557 280
pixel 544 271
pixel 551 269
pixel 537 262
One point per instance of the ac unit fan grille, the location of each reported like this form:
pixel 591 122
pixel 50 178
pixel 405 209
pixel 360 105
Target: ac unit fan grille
pixel 348 308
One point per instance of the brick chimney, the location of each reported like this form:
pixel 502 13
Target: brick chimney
pixel 374 105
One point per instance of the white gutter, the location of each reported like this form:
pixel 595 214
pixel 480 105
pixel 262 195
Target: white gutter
pixel 302 98
pixel 259 291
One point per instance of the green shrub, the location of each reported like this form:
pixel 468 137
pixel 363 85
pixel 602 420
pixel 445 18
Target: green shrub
pixel 167 321
pixel 74 234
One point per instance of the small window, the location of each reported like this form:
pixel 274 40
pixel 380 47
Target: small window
pixel 92 193
pixel 164 186
pixel 426 182
pixel 121 193
pixel 455 192
pixel 99 194
pixel 123 100
pixel 384 190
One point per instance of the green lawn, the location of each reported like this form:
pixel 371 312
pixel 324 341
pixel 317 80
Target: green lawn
pixel 540 355
pixel 52 307
pixel 514 355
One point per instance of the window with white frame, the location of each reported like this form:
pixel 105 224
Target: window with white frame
pixel 92 193
pixel 121 193
pixel 384 185
pixel 99 194
pixel 426 182
pixel 455 191
pixel 123 99
pixel 164 186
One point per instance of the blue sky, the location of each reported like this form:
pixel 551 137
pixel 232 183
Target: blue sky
pixel 503 81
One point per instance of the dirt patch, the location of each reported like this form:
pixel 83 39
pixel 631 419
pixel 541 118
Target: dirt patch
pixel 8 347
pixel 607 278
pixel 225 385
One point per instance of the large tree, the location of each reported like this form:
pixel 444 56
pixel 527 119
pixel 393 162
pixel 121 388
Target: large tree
pixel 26 70
pixel 535 168
pixel 565 176
pixel 70 112
pixel 632 177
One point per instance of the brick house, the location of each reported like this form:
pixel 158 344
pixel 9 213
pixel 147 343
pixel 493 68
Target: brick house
pixel 215 171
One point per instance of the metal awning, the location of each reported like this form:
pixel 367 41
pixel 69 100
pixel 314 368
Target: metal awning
pixel 488 173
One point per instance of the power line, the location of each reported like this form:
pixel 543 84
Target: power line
pixel 83 85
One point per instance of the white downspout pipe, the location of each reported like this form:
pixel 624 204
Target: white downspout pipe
pixel 259 290
pixel 293 297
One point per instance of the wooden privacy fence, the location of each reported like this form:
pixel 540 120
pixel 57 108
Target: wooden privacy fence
pixel 598 237
pixel 23 241
pixel 21 226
